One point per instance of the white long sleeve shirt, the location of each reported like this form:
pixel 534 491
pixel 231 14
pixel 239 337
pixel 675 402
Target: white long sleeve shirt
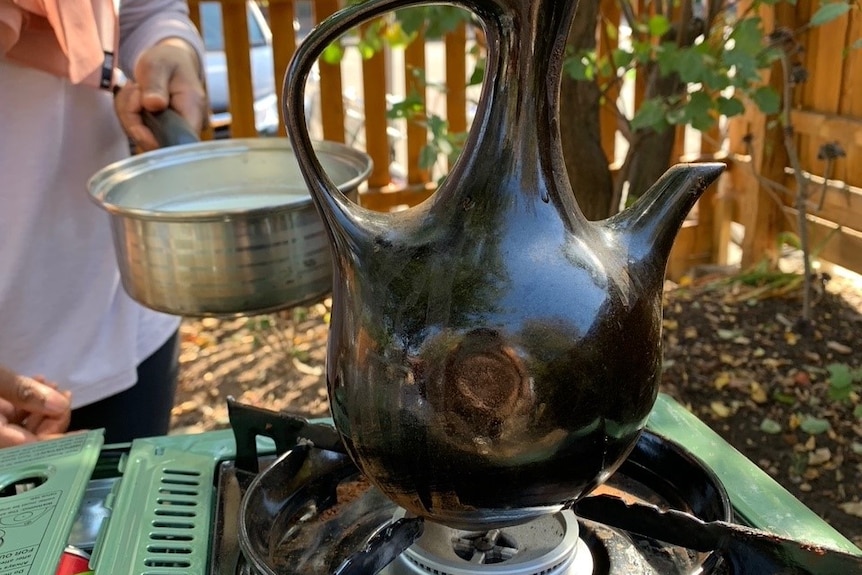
pixel 63 311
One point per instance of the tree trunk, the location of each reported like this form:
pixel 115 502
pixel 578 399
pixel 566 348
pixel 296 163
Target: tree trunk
pixel 649 153
pixel 586 163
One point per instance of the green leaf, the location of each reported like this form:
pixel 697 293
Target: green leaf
pixel 770 426
pixel 840 375
pixel 658 26
pixel 622 58
pixel 427 157
pixel 478 75
pixel 666 56
pixel 748 36
pixel 689 64
pixel 411 19
pixel 440 20
pixel 580 66
pixel 814 425
pixel 699 111
pixel 730 107
pixel 829 12
pixel 437 125
pixel 406 108
pixel 651 115
pixel 767 100
pixel 333 53
pixel 785 398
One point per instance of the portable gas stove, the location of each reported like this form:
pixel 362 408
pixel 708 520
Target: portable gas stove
pixel 277 495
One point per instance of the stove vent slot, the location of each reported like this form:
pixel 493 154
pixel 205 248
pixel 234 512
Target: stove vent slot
pixel 174 521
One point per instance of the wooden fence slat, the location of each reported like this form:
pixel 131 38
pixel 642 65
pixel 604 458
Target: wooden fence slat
pixel 841 204
pixel 376 136
pixel 828 127
pixel 417 134
pixel 240 92
pixel 208 132
pixel 823 45
pixel 843 248
pixel 606 44
pixel 851 95
pixel 456 79
pixel 331 101
pixel 758 212
pixel 281 17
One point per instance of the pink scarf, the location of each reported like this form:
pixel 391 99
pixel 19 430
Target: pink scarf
pixel 76 39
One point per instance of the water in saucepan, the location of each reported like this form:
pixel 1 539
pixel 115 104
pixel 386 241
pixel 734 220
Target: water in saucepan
pixel 229 201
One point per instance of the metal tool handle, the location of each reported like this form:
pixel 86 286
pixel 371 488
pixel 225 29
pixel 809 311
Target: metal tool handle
pixel 169 128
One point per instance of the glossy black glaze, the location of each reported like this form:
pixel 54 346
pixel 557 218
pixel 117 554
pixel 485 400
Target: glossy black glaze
pixel 492 354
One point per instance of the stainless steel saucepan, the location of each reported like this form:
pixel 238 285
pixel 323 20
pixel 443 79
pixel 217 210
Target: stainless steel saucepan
pixel 222 227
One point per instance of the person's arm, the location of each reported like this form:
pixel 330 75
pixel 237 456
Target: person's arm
pixel 30 409
pixel 162 53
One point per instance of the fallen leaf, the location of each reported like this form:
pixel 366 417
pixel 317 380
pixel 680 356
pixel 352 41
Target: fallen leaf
pixel 819 456
pixel 839 347
pixel 852 508
pixel 856 447
pixel 721 381
pixel 793 421
pixel 814 425
pixel 720 409
pixel 791 338
pixel 785 398
pixel 770 426
pixel 758 394
pixel 727 333
pixel 801 378
pixel 307 369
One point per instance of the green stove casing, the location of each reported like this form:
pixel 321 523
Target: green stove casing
pixel 160 510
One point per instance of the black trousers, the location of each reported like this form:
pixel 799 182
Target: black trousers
pixel 143 410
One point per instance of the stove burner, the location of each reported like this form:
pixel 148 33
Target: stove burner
pixel 312 513
pixel 548 545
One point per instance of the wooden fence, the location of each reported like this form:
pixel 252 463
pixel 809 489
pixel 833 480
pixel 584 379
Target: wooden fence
pixel 828 108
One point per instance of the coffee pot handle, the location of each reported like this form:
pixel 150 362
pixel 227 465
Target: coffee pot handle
pixel 330 202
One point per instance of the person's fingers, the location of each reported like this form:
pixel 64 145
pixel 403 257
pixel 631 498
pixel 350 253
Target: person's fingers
pixel 169 74
pixel 27 394
pixel 44 426
pixel 7 410
pixel 127 103
pixel 11 434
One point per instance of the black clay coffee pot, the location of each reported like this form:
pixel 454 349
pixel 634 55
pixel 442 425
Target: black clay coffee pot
pixel 492 354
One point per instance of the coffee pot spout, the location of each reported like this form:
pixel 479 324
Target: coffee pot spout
pixel 649 227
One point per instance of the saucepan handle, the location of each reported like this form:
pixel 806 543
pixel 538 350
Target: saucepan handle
pixel 169 128
pixel 324 192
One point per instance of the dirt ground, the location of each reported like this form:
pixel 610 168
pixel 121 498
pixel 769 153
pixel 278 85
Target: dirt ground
pixel 734 355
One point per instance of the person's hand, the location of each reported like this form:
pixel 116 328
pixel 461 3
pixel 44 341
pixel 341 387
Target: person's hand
pixel 166 75
pixel 31 409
